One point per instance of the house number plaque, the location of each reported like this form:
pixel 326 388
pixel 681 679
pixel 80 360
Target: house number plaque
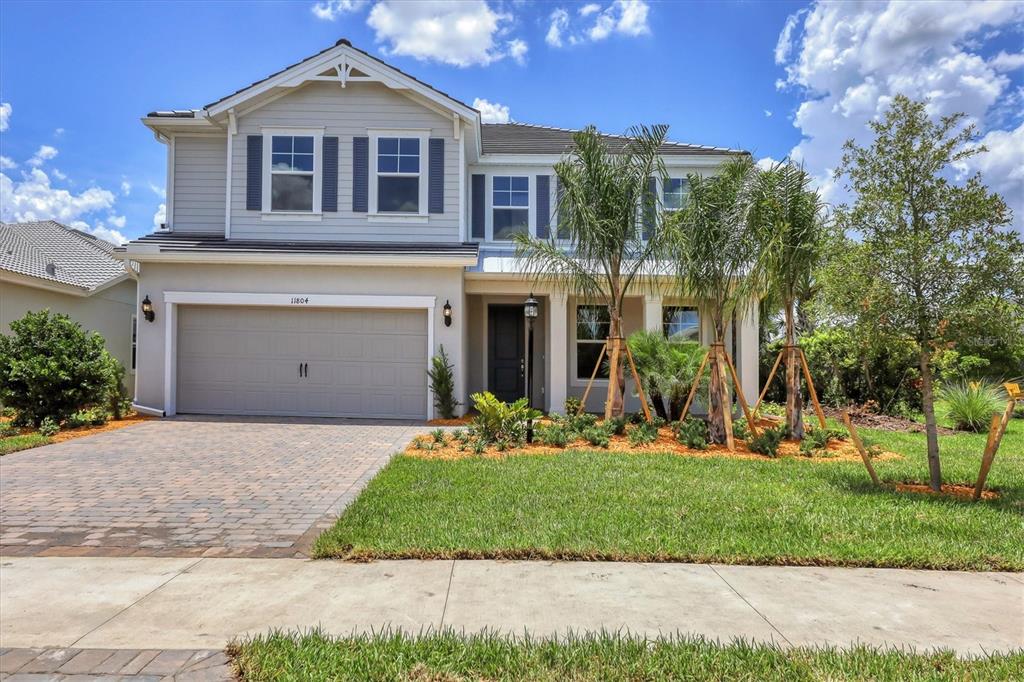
pixel 300 300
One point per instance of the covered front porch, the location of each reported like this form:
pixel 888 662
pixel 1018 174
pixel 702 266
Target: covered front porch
pixel 568 334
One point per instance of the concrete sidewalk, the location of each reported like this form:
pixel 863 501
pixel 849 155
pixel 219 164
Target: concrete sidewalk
pixel 152 603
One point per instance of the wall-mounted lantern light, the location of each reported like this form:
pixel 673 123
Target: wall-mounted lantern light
pixel 447 312
pixel 147 309
pixel 530 308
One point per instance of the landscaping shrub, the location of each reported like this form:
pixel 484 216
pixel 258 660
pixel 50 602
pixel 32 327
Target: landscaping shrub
pixel 553 435
pixel 817 440
pixel 48 427
pixel 596 436
pixel 740 429
pixel 50 367
pixel 7 430
pixel 970 405
pixel 667 369
pixel 693 433
pixel 616 426
pixel 572 406
pixel 501 423
pixel 642 434
pixel 767 442
pixel 580 423
pixel 437 435
pixel 94 416
pixel 442 384
pixel 461 435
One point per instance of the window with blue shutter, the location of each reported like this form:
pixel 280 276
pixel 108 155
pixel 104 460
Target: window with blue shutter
pixel 360 174
pixel 329 184
pixel 543 206
pixel 254 173
pixel 479 212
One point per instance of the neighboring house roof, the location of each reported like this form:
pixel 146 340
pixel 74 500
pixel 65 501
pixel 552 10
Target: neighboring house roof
pixel 525 138
pixel 54 253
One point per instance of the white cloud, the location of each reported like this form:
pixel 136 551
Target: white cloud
pixel 5 116
pixel 126 187
pixel 117 221
pixel 45 153
pixel 157 190
pixel 768 113
pixel 58 132
pixel 58 173
pixel 848 60
pixel 329 10
pixel 766 163
pixel 1005 61
pixel 34 198
pixel 100 231
pixel 594 23
pixel 517 49
pixel 491 112
pixel 462 34
pixel 160 217
pixel 1002 168
pixel 7 163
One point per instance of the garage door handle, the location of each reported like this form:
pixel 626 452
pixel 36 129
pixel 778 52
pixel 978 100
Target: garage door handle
pixel 305 369
pixel 300 370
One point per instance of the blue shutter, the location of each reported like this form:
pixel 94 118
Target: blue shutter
pixel 478 190
pixel 329 176
pixel 543 206
pixel 360 174
pixel 435 179
pixel 254 173
pixel 649 204
pixel 559 193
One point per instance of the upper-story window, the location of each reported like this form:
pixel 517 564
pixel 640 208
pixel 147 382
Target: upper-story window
pixel 511 203
pixel 674 194
pixel 398 175
pixel 681 323
pixel 291 173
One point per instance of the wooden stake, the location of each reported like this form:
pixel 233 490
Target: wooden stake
pixel 590 384
pixel 768 383
pixel 613 377
pixel 639 384
pixel 742 398
pixel 723 378
pixel 995 437
pixel 810 388
pixel 693 388
pixel 860 447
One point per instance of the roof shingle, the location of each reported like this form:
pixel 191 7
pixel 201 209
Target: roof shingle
pixel 526 138
pixel 50 251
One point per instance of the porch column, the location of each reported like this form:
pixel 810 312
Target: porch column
pixel 747 351
pixel 652 313
pixel 558 352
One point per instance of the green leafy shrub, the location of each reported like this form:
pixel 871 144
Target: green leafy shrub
pixel 50 367
pixel 461 435
pixel 417 443
pixel 94 416
pixel 970 405
pixel 667 369
pixel 7 430
pixel 740 429
pixel 1018 412
pixel 767 442
pixel 642 434
pixel 442 384
pixel 49 427
pixel 616 426
pixel 572 405
pixel 553 435
pixel 693 433
pixel 596 436
pixel 437 435
pixel 499 422
pixel 580 423
pixel 479 446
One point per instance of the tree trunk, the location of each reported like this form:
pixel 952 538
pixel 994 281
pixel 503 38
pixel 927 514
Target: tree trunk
pixel 616 367
pixel 794 400
pixel 930 426
pixel 718 400
pixel 657 401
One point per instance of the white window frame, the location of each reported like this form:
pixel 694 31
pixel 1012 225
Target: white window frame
pixel 694 308
pixel 133 346
pixel 317 134
pixel 421 215
pixel 576 341
pixel 661 185
pixel 531 228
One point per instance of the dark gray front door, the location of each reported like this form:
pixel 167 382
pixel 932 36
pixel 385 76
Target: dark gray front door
pixel 505 357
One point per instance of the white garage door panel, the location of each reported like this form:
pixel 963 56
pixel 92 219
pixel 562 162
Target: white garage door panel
pixel 362 363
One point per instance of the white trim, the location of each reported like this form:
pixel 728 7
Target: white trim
pixel 531 213
pixel 397 218
pixel 463 235
pixel 277 258
pixel 169 209
pixel 423 135
pixel 268 133
pixel 172 299
pixel 670 161
pixel 232 130
pixel 292 216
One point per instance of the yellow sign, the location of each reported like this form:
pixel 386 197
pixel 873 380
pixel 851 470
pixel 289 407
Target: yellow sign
pixel 1014 391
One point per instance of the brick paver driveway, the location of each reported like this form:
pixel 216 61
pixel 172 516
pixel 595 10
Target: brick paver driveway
pixel 191 487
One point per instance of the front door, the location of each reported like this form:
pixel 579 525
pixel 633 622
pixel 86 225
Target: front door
pixel 506 373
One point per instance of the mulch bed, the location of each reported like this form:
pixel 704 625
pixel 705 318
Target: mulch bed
pixel 112 425
pixel 837 451
pixel 948 490
pixel 865 418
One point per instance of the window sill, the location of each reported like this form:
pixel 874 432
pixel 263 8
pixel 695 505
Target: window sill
pixel 397 217
pixel 291 216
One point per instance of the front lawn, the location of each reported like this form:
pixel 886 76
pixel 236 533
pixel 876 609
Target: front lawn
pixel 594 504
pixel 449 656
pixel 25 441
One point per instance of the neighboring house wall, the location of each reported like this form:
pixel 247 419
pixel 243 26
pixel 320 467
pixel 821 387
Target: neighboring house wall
pixel 346 113
pixel 200 178
pixel 442 283
pixel 108 312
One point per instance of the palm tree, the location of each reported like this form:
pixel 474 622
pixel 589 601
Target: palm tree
pixel 666 368
pixel 791 215
pixel 720 260
pixel 605 244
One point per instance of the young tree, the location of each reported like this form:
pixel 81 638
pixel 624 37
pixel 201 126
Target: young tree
pixel 791 214
pixel 929 248
pixel 720 259
pixel 604 245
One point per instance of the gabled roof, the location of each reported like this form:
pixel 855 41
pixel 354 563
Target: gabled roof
pixel 54 253
pixel 525 138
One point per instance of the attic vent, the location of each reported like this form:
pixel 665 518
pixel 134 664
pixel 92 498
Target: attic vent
pixel 51 269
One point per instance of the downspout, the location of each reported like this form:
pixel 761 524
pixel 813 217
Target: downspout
pixel 232 129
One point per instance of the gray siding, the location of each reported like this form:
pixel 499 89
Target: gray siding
pixel 200 177
pixel 347 113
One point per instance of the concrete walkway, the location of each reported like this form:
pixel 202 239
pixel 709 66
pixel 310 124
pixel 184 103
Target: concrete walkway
pixel 175 603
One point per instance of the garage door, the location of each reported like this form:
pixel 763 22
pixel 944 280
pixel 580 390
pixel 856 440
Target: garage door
pixel 302 362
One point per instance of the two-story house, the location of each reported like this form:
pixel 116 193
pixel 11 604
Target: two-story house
pixel 331 226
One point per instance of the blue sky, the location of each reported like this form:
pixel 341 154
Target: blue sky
pixel 76 77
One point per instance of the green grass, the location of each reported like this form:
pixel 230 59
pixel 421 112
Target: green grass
pixel 600 505
pixel 449 657
pixel 24 442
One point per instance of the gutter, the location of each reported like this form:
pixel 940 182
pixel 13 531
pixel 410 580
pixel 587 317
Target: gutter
pixel 151 411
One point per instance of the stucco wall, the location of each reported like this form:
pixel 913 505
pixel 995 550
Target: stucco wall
pixel 442 283
pixel 108 312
